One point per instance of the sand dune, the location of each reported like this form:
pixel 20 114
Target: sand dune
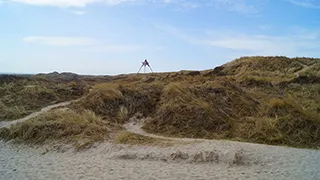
pixel 7 124
pixel 110 161
pixel 195 159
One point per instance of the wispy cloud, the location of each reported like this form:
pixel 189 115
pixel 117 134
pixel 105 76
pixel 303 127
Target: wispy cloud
pixel 70 3
pixel 288 45
pixel 116 48
pixel 61 41
pixel 305 3
pixel 90 44
pixel 124 48
pixel 182 6
pixel 78 12
pixel 177 33
pixel 241 6
pixel 299 43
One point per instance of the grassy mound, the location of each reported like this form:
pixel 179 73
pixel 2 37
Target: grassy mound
pixel 117 102
pixel 268 69
pixel 285 123
pixel 201 110
pixel 255 99
pixel 271 100
pixel 20 96
pixel 81 129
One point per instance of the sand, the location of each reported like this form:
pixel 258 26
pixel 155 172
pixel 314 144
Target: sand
pixel 194 159
pixel 111 161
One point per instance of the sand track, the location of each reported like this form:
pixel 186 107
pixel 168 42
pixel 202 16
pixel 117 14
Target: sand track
pixel 7 124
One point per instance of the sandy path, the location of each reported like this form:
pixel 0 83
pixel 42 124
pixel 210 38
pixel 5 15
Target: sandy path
pixel 7 124
pixel 109 161
pixel 208 159
pixel 135 125
pixel 304 69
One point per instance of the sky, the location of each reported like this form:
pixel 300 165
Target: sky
pixel 114 36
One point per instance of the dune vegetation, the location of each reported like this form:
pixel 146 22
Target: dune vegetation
pixel 80 129
pixel 269 100
pixel 22 95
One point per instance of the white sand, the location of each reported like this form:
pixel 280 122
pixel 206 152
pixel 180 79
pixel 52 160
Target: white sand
pixel 208 159
pixel 109 161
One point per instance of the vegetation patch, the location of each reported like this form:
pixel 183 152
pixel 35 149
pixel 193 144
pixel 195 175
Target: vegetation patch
pixel 80 129
pixel 201 110
pixel 270 100
pixel 117 102
pixel 20 96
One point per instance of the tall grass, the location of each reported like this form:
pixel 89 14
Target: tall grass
pixel 25 95
pixel 118 102
pixel 80 129
pixel 256 99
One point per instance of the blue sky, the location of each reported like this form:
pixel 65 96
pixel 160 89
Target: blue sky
pixel 114 36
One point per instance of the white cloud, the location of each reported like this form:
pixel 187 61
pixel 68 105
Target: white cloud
pixel 301 43
pixel 288 45
pixel 78 12
pixel 305 3
pixel 187 6
pixel 61 41
pixel 240 6
pixel 115 48
pixel 124 48
pixel 69 3
pixel 263 44
pixel 91 44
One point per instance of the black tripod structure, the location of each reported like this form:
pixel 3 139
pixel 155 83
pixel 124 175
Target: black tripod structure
pixel 145 63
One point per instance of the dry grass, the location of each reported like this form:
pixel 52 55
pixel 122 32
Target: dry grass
pixel 13 112
pixel 123 114
pixel 271 100
pixel 284 122
pixel 278 103
pixel 108 91
pixel 200 110
pixel 80 129
pixel 24 95
pixel 260 130
pixel 118 102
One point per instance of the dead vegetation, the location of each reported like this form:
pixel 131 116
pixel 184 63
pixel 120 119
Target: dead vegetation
pixel 20 96
pixel 271 100
pixel 80 129
pixel 118 102
pixel 200 110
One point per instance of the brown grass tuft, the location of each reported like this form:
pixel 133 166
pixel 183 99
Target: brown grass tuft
pixel 80 129
pixel 277 103
pixel 22 96
pixel 109 90
pixel 272 100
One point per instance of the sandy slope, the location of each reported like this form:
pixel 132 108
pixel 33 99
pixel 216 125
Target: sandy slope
pixel 109 161
pixel 203 159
